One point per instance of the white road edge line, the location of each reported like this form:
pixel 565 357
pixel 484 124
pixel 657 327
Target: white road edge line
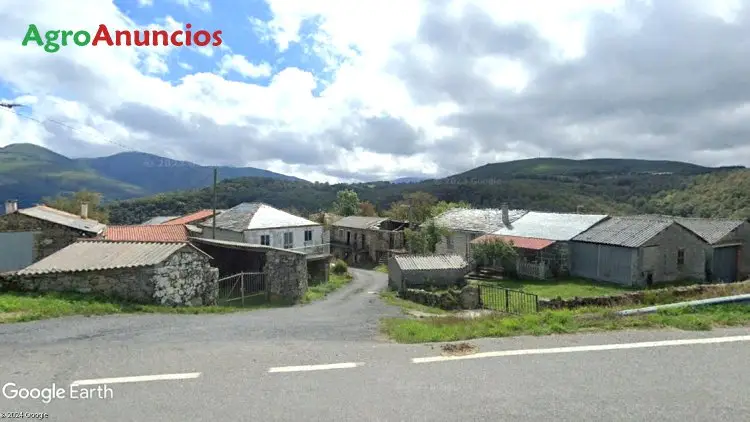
pixel 574 349
pixel 345 365
pixel 142 378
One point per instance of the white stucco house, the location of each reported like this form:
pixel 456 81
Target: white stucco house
pixel 257 223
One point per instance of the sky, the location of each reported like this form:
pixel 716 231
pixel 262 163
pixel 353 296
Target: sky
pixel 331 90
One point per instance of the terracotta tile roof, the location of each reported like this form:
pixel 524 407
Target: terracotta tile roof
pixel 518 241
pixel 191 218
pixel 151 233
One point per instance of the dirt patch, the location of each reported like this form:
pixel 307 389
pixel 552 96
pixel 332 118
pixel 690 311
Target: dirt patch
pixel 458 349
pixel 10 316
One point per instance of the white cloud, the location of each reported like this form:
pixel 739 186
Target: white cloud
pixel 145 3
pixel 239 64
pixel 432 99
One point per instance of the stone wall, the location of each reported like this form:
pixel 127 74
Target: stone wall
pixel 646 297
pixel 450 300
pixel 184 279
pixel 50 239
pixel 286 275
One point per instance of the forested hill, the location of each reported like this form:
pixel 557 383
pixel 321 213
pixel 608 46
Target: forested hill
pixel 722 193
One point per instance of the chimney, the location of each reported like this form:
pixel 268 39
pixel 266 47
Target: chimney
pixel 11 206
pixel 506 217
pixel 84 210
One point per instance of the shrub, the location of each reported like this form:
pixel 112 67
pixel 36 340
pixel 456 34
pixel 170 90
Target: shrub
pixel 340 267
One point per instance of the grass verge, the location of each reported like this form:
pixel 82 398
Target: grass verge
pixel 391 298
pixel 440 329
pixel 319 291
pixel 20 307
pixel 382 268
pixel 563 288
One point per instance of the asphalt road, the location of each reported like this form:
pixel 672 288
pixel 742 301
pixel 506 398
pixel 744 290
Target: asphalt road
pixel 231 356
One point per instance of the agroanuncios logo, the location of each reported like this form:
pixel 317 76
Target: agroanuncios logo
pixel 53 40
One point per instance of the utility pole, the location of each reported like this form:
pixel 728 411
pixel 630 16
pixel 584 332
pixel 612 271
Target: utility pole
pixel 216 179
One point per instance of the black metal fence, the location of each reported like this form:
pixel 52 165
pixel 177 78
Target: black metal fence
pixel 507 300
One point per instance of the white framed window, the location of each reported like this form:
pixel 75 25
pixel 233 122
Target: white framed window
pixel 265 239
pixel 308 235
pixel 288 240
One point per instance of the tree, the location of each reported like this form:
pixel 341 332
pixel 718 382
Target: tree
pixel 72 204
pixel 366 209
pixel 426 239
pixel 347 203
pixel 416 207
pixel 493 251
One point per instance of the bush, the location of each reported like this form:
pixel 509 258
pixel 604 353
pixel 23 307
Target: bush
pixel 340 267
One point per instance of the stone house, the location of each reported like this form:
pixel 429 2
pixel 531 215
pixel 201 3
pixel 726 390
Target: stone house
pixel 368 240
pixel 727 246
pixel 464 225
pixel 164 273
pixel 638 251
pixel 414 271
pixel 31 234
pixel 542 241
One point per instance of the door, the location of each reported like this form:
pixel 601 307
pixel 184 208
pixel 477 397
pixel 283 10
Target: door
pixel 16 250
pixel 348 237
pixel 725 264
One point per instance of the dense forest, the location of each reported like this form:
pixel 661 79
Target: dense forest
pixel 722 193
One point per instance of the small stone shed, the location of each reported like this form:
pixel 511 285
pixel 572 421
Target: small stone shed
pixel 163 273
pixel 410 271
pixel 30 234
pixel 727 247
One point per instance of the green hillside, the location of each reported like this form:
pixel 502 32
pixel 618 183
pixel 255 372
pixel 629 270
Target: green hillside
pixel 725 194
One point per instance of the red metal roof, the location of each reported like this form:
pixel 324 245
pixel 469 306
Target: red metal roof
pixel 154 233
pixel 190 218
pixel 517 241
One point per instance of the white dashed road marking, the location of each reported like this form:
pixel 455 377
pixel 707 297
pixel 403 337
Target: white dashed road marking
pixel 142 378
pixel 302 368
pixel 575 349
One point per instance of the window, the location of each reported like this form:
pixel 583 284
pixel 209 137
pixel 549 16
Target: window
pixel 449 243
pixel 680 256
pixel 265 239
pixel 288 240
pixel 308 235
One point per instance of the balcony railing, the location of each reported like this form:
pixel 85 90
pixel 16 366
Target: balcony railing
pixel 320 249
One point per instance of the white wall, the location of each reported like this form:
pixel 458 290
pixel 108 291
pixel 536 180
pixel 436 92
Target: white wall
pixel 277 236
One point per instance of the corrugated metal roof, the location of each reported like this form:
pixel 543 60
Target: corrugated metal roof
pixel 356 222
pixel 630 232
pixel 193 217
pixel 710 229
pixel 93 255
pixel 245 246
pixel 43 212
pixel 159 220
pixel 256 215
pixel 150 233
pixel 517 241
pixel 430 262
pixel 550 225
pixel 485 221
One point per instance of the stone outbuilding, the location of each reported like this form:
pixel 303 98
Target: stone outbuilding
pixel 367 240
pixel 31 234
pixel 174 273
pixel 415 271
pixel 727 247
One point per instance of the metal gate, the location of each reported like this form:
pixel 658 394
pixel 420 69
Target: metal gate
pixel 242 289
pixel 16 250
pixel 507 300
pixel 725 264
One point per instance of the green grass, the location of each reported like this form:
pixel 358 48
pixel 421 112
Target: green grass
pixel 382 268
pixel 440 329
pixel 391 298
pixel 319 291
pixel 565 288
pixel 19 307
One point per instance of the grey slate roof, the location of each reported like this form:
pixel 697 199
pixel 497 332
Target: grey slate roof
pixel 430 262
pixel 158 220
pixel 551 226
pixel 630 232
pixel 93 255
pixel 256 215
pixel 488 220
pixel 356 222
pixel 52 215
pixel 709 229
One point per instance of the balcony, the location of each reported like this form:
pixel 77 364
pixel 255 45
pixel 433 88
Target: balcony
pixel 312 251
